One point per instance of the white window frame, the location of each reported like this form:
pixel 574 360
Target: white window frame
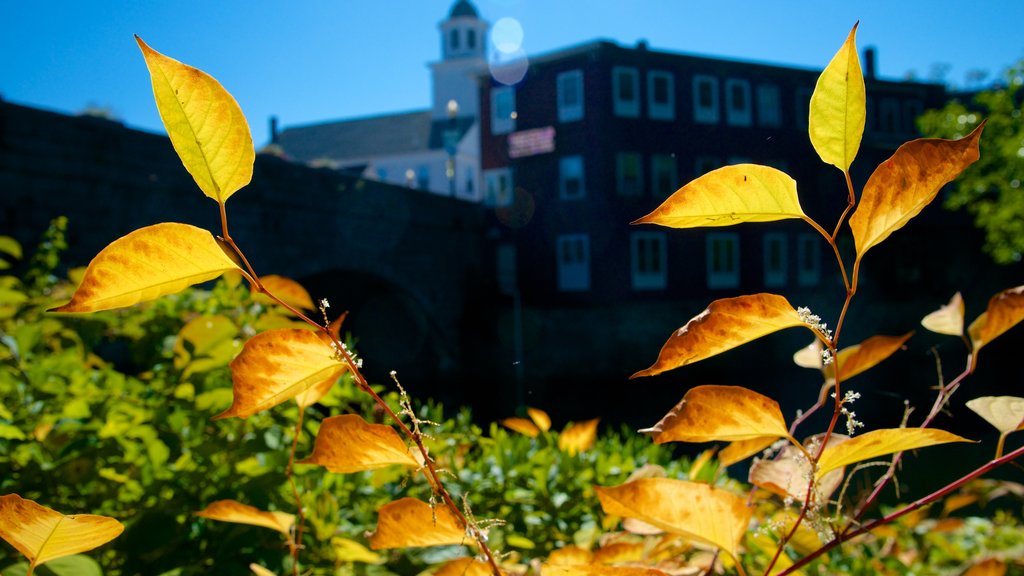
pixel 573 264
pixel 808 260
pixel 621 107
pixel 727 275
pixel 503 109
pixel 705 114
pixel 742 116
pixel 498 187
pixel 775 276
pixel 622 187
pixel 769 106
pixel 568 83
pixel 661 110
pixel 648 260
pixel 569 168
pixel 658 161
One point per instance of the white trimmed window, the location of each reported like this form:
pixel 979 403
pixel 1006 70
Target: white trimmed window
pixel 573 252
pixel 661 95
pixel 570 178
pixel 648 260
pixel 808 256
pixel 705 99
pixel 629 174
pixel 626 91
pixel 570 95
pixel 723 254
pixel 664 175
pixel 769 106
pixel 498 187
pixel 775 259
pixel 503 110
pixel 738 110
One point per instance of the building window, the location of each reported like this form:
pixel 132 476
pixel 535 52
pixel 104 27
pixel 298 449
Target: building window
pixel 570 178
pixel 454 41
pixel 471 39
pixel 808 255
pixel 737 102
pixel 573 262
pixel 803 107
pixel 705 164
pixel 889 115
pixel 723 260
pixel 661 100
pixel 626 87
pixel 911 110
pixel 775 260
pixel 769 106
pixel 629 175
pixel 705 99
pixel 570 96
pixel 498 187
pixel 648 260
pixel 664 177
pixel 503 109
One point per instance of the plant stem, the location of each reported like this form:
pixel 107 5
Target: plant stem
pixel 295 492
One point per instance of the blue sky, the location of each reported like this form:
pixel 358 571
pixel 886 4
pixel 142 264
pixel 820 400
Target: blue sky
pixel 311 61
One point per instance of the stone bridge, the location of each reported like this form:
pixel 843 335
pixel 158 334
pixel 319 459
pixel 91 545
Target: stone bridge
pixel 407 264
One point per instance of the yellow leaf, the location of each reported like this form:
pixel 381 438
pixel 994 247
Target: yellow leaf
pixel 204 123
pixel 619 553
pixel 10 247
pixel 347 443
pixel 521 425
pixel 410 523
pixel 989 567
pixel 1005 413
pixel 147 264
pixel 742 449
pixel 346 550
pixel 879 443
pixel 809 356
pixel 211 343
pixel 260 570
pixel 570 555
pixel 288 290
pixel 730 195
pixel 314 393
pixel 947 320
pixel 838 107
pixel 540 418
pixel 1004 311
pixel 277 365
pixel 907 182
pixel 596 570
pixel 695 510
pixel 787 474
pixel 42 534
pixel 464 567
pixel 238 513
pixel 730 413
pixel 576 438
pixel 866 355
pixel 724 325
pixel 699 462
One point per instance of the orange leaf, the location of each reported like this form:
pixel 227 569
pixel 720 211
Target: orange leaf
pixel 879 443
pixel 277 365
pixel 947 320
pixel 619 553
pixel 597 570
pixel 866 355
pixel 314 393
pixel 578 437
pixel 742 449
pixel 348 443
pixel 540 418
pixel 838 107
pixel 570 555
pixel 288 290
pixel 724 325
pixel 989 567
pixel 42 534
pixel 410 523
pixel 907 182
pixel 787 474
pixel 147 264
pixel 521 425
pixel 729 413
pixel 695 510
pixel 1004 311
pixel 238 513
pixel 730 195
pixel 464 567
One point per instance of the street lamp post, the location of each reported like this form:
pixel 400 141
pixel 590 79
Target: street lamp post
pixel 451 140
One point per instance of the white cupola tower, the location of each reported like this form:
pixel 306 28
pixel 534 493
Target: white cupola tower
pixel 463 56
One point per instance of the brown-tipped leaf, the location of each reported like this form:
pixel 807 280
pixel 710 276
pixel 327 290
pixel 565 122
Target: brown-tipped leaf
pixel 730 195
pixel 694 510
pixel 410 523
pixel 907 182
pixel 1004 311
pixel 347 443
pixel 238 513
pixel 947 320
pixel 724 325
pixel 1005 413
pixel 289 291
pixel 838 107
pixel 879 443
pixel 275 366
pixel 866 355
pixel 578 437
pixel 787 474
pixel 728 413
pixel 147 264
pixel 42 534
